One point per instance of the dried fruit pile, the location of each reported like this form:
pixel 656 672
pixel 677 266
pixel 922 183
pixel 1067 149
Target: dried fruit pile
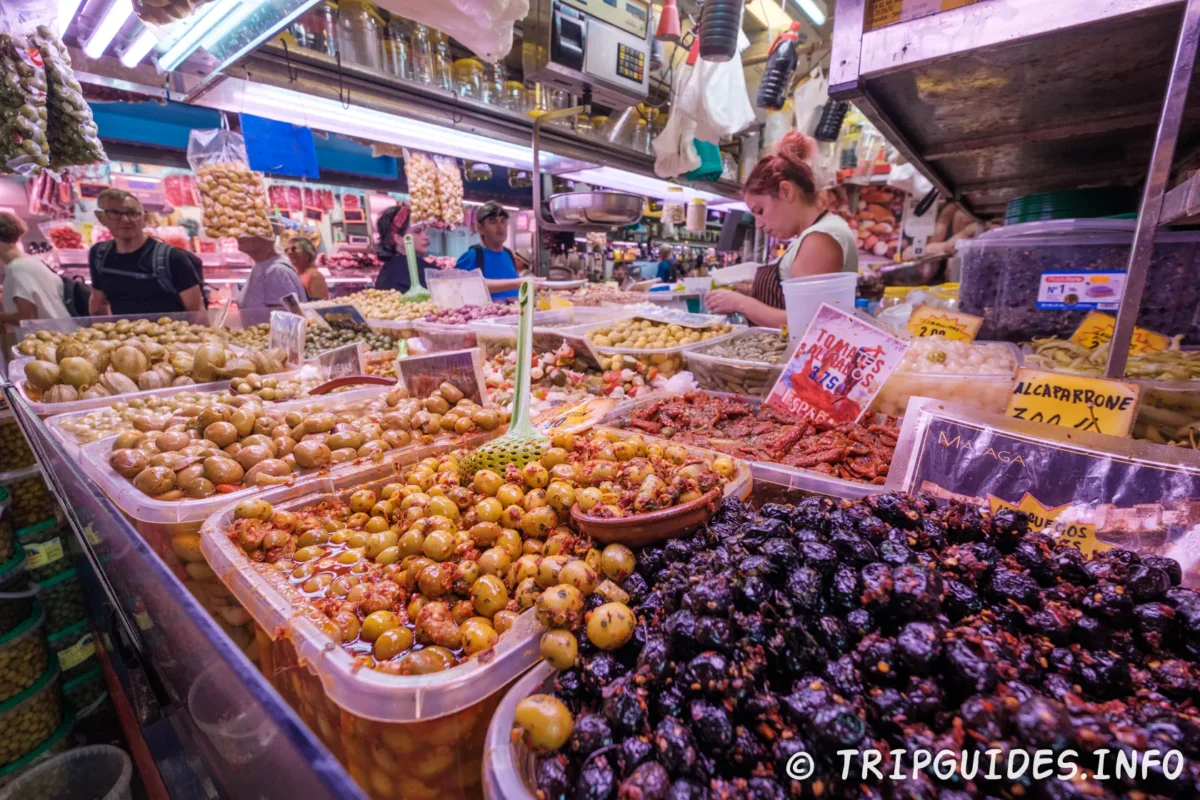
pixel 745 429
pixel 884 624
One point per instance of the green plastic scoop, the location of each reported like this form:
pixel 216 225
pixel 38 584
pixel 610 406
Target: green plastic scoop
pixel 416 292
pixel 523 444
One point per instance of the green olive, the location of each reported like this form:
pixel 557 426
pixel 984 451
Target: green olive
pixel 510 494
pixel 439 545
pixel 610 626
pixel 488 595
pixel 549 570
pixel 560 607
pixel 488 510
pixel 527 592
pixel 503 621
pixel 539 522
pixel 535 475
pixel 392 642
pixel 543 723
pixel 477 636
pixel 578 574
pixel 377 622
pixel 617 561
pixel 560 648
pixel 362 500
pixel 488 482
pixel 495 561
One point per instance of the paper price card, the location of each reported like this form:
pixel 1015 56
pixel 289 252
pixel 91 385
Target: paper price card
pixel 1097 329
pixel 954 325
pixel 1088 490
pixel 1073 401
pixel 837 369
pixel 342 362
pixel 455 288
pixel 575 419
pixel 422 375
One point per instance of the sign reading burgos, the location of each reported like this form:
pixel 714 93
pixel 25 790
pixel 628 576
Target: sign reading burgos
pixel 1091 490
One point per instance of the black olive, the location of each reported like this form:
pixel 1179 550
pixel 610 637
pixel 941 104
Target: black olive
pixel 839 726
pixel 1127 557
pixel 985 716
pixel 814 512
pixel 1071 563
pixel 887 708
pixel 834 636
pixel 635 750
pixel 677 550
pixel 1152 624
pixel 649 561
pixel 879 661
pixel 804 586
pixel 707 672
pixel 625 707
pixel 601 669
pixel 1008 526
pixel 1176 678
pixel 681 627
pixel 711 726
pixel 570 687
pixel 1109 602
pixel 918 645
pixel 877 585
pixel 675 746
pixel 591 732
pixel 860 622
pixel 636 587
pixel 759 566
pixel 709 597
pixel 917 591
pixel 960 600
pixel 810 694
pixel 932 534
pixel 686 789
pixel 844 676
pixel 895 509
pixel 713 633
pixel 1146 583
pixel 967 668
pixel 1168 565
pixel 1005 585
pixel 747 751
pixel 754 592
pixel 597 780
pixel 925 697
pixel 895 553
pixel 844 589
pixel 764 789
pixel 763 529
pixel 1051 623
pixel 1102 675
pixel 1102 569
pixel 853 550
pixel 780 551
pixel 649 781
pixel 1058 686
pixel 554 777
pixel 820 557
pixel 1044 723
pixel 1035 556
pixel 669 703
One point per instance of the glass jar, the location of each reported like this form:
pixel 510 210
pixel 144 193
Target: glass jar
pixel 468 78
pixel 317 30
pixel 396 49
pixel 421 54
pixel 443 65
pixel 514 97
pixel 583 125
pixel 493 84
pixel 641 137
pixel 358 35
pixel 599 125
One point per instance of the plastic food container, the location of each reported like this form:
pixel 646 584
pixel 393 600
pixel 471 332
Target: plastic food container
pixel 18 591
pixel 53 409
pixel 58 742
pixel 804 296
pixel 986 392
pixel 240 732
pixel 81 692
pixel 14 449
pixel 399 736
pixel 508 767
pixel 436 336
pixel 62 599
pixel 667 361
pixel 96 772
pixel 75 649
pixel 1002 272
pixel 733 375
pixel 23 655
pixel 6 527
pixel 31 498
pixel 45 548
pixel 29 718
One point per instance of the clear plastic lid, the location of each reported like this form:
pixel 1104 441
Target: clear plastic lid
pixel 1065 232
pixel 67 324
pixel 363 692
pixel 698 351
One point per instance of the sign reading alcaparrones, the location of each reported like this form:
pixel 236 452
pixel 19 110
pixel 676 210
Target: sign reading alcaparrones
pixel 1074 401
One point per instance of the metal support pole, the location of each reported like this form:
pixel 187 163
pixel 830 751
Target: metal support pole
pixel 1156 184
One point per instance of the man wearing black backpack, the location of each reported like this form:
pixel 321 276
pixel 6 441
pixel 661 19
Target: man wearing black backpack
pixel 134 274
pixel 490 256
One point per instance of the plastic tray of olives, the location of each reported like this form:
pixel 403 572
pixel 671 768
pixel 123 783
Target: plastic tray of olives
pixel 508 768
pixel 750 375
pixel 57 742
pixel 14 449
pixel 145 508
pixel 81 692
pixel 30 498
pixel 62 598
pixel 23 654
pixel 667 360
pixel 359 711
pixel 20 590
pixel 29 718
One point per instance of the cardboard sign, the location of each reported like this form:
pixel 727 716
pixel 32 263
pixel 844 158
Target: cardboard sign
pixel 339 315
pixel 1092 491
pixel 455 288
pixel 838 367
pixel 292 303
pixel 287 332
pixel 1074 401
pixel 342 362
pixel 1097 329
pixel 422 375
pixel 953 325
pixel 577 418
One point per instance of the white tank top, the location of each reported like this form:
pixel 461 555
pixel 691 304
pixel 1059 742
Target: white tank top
pixel 829 224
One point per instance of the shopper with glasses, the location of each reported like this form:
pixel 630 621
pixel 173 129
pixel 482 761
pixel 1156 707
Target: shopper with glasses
pixel 134 274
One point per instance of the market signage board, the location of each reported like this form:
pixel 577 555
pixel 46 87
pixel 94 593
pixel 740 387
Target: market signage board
pixel 837 369
pixel 422 375
pixel 455 288
pixel 1074 401
pixel 953 325
pixel 577 418
pixel 1093 491
pixel 1097 330
pixel 889 12
pixel 342 362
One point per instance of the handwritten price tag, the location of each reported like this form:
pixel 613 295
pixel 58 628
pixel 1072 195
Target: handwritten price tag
pixel 838 367
pixel 1073 401
pixel 954 325
pixel 1097 329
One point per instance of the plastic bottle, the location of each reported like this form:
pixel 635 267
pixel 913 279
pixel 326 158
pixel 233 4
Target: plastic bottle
pixel 720 23
pixel 781 63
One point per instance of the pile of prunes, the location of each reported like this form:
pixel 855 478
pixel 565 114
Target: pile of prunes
pixel 885 624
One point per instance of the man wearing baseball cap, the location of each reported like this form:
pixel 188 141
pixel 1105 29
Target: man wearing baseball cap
pixel 490 255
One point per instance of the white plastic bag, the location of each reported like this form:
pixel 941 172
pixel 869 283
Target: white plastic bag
pixel 809 99
pixel 716 98
pixel 674 148
pixel 485 26
pixel 233 195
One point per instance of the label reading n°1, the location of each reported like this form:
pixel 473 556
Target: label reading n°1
pixel 953 325
pixel 1074 401
pixel 1097 329
pixel 1081 291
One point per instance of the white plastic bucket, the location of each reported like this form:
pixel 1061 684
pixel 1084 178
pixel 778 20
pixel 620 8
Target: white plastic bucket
pixel 803 296
pixel 96 772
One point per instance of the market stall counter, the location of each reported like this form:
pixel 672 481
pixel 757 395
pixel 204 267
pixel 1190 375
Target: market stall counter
pixel 209 719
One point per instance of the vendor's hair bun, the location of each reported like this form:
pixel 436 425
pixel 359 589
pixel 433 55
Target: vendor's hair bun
pixel 788 162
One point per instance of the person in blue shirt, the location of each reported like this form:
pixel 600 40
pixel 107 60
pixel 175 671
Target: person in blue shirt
pixel 490 255
pixel 666 272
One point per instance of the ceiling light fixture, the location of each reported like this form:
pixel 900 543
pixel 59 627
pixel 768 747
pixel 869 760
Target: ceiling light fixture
pixel 110 25
pixel 624 181
pixel 189 40
pixel 231 21
pixel 812 11
pixel 132 55
pixel 66 13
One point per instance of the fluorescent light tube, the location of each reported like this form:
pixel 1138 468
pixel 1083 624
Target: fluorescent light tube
pixel 621 180
pixel 225 26
pixel 183 47
pixel 110 25
pixel 66 12
pixel 812 10
pixel 139 48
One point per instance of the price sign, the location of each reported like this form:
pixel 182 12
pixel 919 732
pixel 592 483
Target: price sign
pixel 292 303
pixel 455 288
pixel 340 315
pixel 422 375
pixel 837 369
pixel 342 362
pixel 954 325
pixel 1097 329
pixel 1074 401
pixel 1080 535
pixel 577 418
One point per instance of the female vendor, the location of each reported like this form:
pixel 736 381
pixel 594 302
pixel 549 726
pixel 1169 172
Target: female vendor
pixel 392 225
pixel 782 194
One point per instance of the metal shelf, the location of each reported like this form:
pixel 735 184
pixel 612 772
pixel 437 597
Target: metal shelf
pixel 1010 97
